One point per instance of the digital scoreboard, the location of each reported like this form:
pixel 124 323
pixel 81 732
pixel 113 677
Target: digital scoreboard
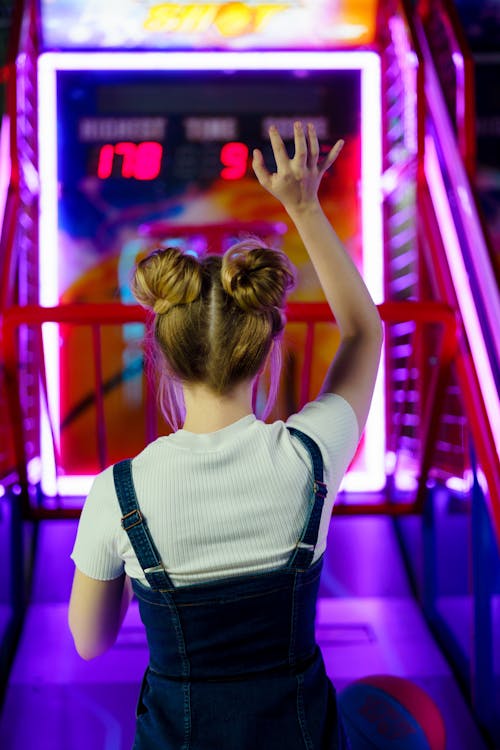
pixel 135 138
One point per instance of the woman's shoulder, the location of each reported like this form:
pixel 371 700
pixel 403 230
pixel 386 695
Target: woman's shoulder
pixel 103 481
pixel 331 422
pixel 329 411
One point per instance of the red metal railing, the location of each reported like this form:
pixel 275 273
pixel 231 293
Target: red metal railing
pixel 455 67
pixel 95 316
pixel 8 77
pixel 477 259
pixel 18 227
pixel 466 370
pixel 436 22
pixel 9 218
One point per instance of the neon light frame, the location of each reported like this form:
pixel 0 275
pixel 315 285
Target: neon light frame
pixel 367 62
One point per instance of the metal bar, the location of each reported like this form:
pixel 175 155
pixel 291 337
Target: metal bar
pixel 7 234
pixel 99 398
pixel 399 413
pixel 339 509
pixel 305 381
pixel 474 248
pixel 429 555
pixel 78 313
pixel 11 360
pixel 482 678
pixel 151 411
pixel 464 84
pixel 107 313
pixel 96 315
pixel 429 426
pixel 11 94
pixel 466 372
pixel 43 383
pixel 375 509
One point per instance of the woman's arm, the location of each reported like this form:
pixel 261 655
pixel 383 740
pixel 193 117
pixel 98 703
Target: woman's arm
pixel 96 612
pixel 354 368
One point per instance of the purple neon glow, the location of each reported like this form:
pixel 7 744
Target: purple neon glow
pixel 479 258
pixel 462 286
pixel 460 485
pixel 408 63
pixel 369 478
pixel 485 277
pixel 4 163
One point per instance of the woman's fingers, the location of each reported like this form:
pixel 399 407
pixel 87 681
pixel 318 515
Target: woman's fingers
pixel 279 150
pixel 305 159
pixel 313 146
pixel 300 157
pixel 260 168
pixel 331 156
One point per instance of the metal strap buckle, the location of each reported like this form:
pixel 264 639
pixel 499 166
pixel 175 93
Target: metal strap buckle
pixel 320 489
pixel 129 515
pixel 155 569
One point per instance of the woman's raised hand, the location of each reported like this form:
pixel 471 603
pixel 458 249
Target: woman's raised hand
pixel 295 183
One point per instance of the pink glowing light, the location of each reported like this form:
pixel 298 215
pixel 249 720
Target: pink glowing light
pixel 462 286
pixel 4 163
pixel 369 477
pixel 481 266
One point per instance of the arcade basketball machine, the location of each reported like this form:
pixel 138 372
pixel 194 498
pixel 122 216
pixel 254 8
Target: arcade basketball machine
pixel 147 117
pixel 131 126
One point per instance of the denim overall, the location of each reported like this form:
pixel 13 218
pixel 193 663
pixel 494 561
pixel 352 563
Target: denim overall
pixel 234 663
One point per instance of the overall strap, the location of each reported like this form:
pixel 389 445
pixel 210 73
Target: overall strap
pixel 135 525
pixel 304 552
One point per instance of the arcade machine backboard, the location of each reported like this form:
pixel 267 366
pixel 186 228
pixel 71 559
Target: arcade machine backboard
pixel 148 115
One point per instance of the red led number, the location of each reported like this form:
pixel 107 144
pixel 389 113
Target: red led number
pixel 142 161
pixel 234 157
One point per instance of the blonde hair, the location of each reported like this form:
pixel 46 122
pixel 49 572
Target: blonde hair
pixel 216 318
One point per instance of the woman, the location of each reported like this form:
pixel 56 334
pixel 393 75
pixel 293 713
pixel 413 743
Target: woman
pixel 221 526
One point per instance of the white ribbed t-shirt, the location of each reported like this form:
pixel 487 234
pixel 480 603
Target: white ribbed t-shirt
pixel 222 503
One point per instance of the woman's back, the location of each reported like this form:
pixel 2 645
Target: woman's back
pixel 212 513
pixel 233 663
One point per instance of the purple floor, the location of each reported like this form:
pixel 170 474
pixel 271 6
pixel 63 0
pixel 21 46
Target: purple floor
pixel 56 701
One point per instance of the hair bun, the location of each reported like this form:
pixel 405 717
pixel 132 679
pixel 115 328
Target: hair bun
pixel 256 277
pixel 165 278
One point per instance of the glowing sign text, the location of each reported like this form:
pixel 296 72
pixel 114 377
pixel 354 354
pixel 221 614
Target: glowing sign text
pixel 229 19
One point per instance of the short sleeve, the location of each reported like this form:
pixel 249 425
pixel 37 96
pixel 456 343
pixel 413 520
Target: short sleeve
pixel 95 552
pixel 331 421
